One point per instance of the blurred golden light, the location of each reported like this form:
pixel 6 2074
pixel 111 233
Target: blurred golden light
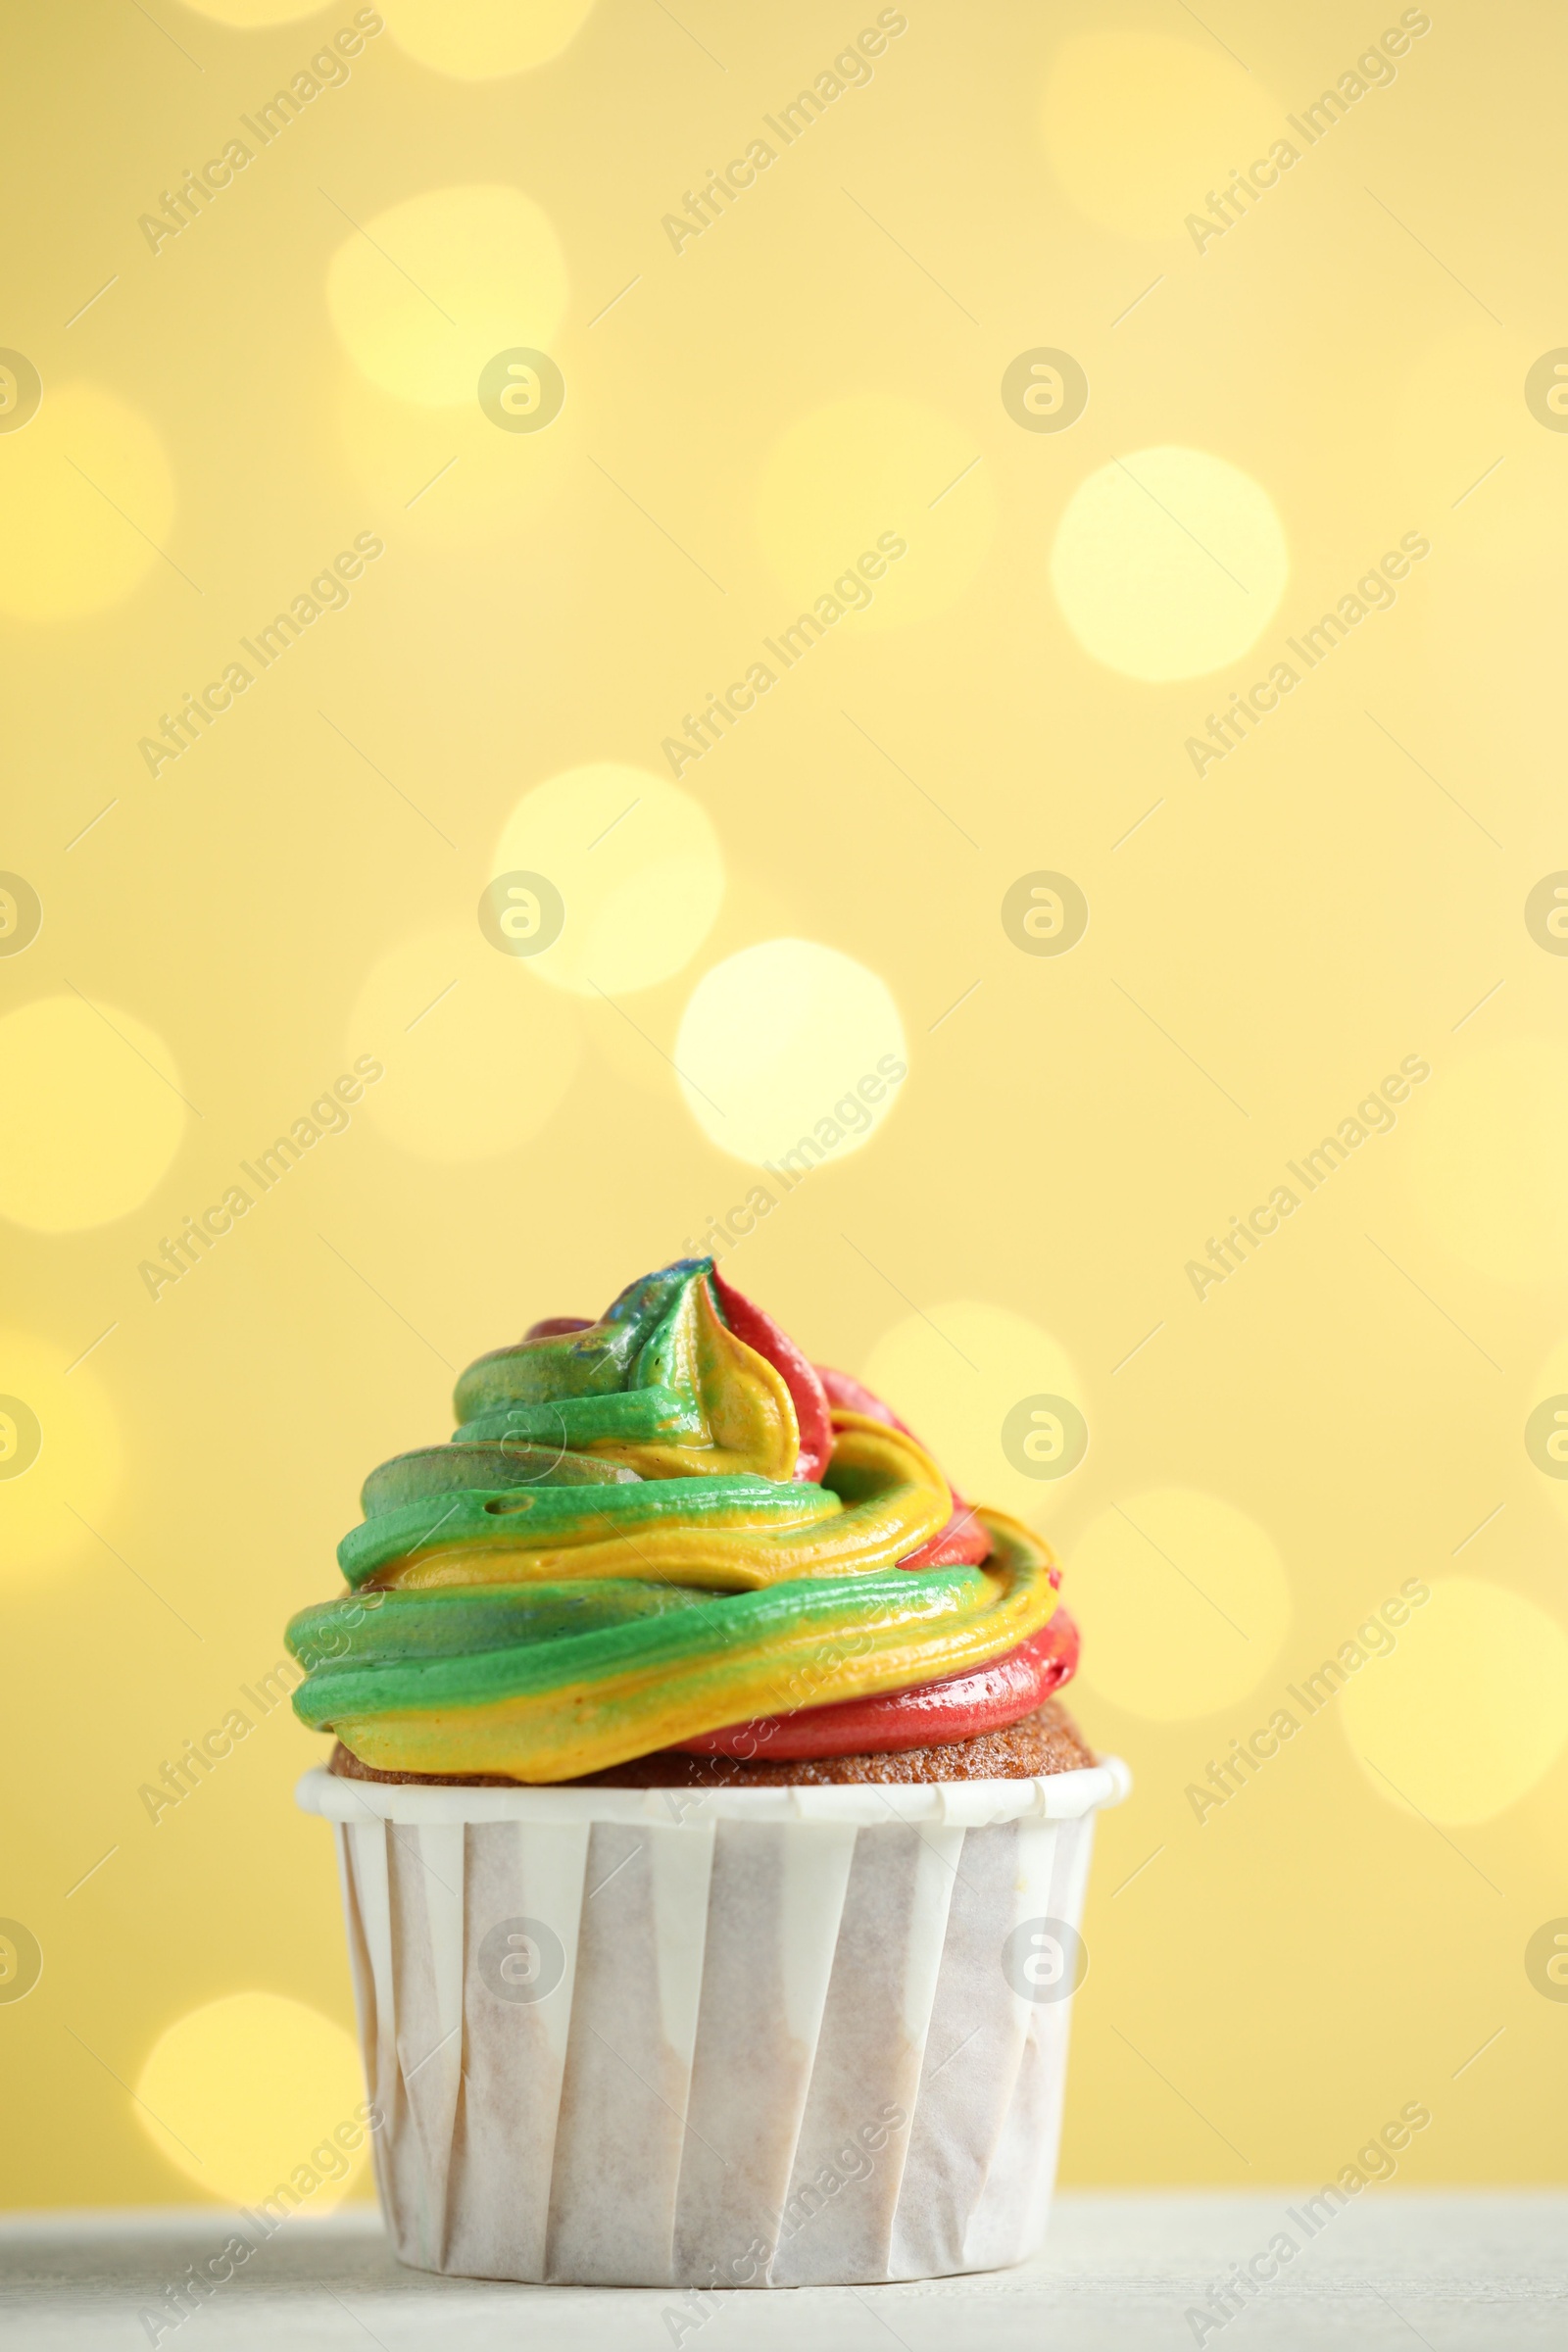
pixel 956 1373
pixel 86 502
pixel 477 1061
pixel 1168 563
pixel 1471 1709
pixel 437 285
pixel 638 866
pixel 852 517
pixel 93 1113
pixel 1183 1601
pixel 1139 127
pixel 1487 1159
pixel 59 1456
pixel 790 1048
pixel 480 40
pixel 255 2093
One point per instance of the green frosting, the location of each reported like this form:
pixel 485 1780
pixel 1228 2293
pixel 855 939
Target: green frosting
pixel 457 1647
pixel 493 1468
pixel 545 1516
pixel 634 1346
pixel 640 1417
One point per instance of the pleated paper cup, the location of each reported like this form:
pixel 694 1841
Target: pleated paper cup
pixel 780 2037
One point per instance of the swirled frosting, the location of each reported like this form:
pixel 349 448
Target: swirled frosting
pixel 661 1528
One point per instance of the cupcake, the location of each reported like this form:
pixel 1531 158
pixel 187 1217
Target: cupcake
pixel 712 1840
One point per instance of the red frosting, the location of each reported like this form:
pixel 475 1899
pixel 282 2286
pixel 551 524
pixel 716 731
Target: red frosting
pixel 983 1698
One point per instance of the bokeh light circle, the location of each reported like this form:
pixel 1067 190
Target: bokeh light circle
pixel 244 2095
pixel 252 16
pixel 1168 563
pixel 1183 1601
pixel 49 1509
pixel 478 1059
pixel 846 515
pixel 790 1052
pixel 958 1373
pixel 1487 1159
pixel 439 283
pixel 84 494
pixel 1470 1711
pixel 482 40
pixel 638 865
pixel 1139 128
pixel 93 1113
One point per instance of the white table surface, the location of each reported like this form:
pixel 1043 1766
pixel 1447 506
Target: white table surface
pixel 1459 2272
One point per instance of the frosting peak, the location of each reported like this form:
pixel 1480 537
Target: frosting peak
pixel 660 1383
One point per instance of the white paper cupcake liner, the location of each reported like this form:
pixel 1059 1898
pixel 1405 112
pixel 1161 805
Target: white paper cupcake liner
pixel 780 2037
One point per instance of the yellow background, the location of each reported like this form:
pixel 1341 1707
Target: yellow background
pixel 743 416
